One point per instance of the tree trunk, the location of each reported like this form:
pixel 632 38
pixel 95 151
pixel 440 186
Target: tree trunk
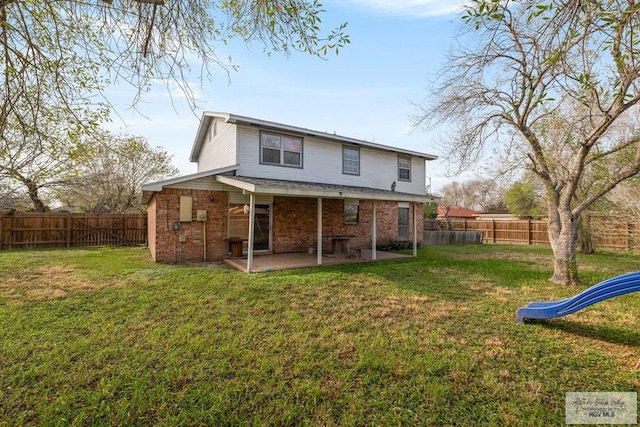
pixel 584 236
pixel 563 236
pixel 38 204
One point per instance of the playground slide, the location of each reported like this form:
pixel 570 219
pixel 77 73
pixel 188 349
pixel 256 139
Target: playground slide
pixel 610 288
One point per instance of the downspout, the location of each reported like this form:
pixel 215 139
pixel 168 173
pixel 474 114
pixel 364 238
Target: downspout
pixel 415 231
pixel 319 244
pixel 374 231
pixel 204 241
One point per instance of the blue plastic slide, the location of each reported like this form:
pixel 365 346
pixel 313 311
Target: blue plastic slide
pixel 610 288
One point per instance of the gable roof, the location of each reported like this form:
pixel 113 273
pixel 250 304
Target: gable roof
pixel 153 187
pixel 264 124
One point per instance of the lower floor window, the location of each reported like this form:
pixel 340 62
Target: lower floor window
pixel 403 223
pixel 351 210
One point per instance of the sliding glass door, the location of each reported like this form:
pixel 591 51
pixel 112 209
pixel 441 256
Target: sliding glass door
pixel 239 225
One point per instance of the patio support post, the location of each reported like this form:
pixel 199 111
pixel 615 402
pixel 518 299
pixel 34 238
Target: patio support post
pixel 415 230
pixel 252 222
pixel 319 245
pixel 374 231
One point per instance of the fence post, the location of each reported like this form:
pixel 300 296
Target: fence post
pixel 11 229
pixel 529 231
pixel 68 229
pixel 1 233
pixel 126 229
pixel 493 229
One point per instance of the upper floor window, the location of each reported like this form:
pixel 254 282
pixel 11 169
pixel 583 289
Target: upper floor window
pixel 404 168
pixel 351 160
pixel 280 150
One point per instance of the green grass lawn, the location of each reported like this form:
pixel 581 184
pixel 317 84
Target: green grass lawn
pixel 106 337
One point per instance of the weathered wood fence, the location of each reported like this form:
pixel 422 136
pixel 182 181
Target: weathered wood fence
pixel 450 237
pixel 51 229
pixel 605 232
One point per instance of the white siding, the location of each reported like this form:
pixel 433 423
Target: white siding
pixel 207 183
pixel 218 151
pixel 237 197
pixel 322 162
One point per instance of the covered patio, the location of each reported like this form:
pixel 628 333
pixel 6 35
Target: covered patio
pixel 290 190
pixel 285 261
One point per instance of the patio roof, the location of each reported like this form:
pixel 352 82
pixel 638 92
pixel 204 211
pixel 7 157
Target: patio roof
pixel 262 186
pixel 313 189
pixel 153 187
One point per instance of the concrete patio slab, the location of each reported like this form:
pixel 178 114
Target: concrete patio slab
pixel 285 261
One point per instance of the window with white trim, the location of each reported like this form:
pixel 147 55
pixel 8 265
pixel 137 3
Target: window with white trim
pixel 403 221
pixel 404 168
pixel 351 211
pixel 282 150
pixel 350 160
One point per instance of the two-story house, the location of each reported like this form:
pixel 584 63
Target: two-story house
pixel 265 187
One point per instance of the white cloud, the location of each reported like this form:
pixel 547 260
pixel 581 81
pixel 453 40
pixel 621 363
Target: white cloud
pixel 417 8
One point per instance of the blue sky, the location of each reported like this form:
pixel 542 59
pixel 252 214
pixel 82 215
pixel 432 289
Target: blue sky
pixel 365 92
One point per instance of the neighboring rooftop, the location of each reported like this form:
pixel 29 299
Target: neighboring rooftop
pixel 456 212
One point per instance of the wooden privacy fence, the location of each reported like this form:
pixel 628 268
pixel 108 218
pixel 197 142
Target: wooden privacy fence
pixel 447 237
pixel 50 229
pixel 531 232
pixel 605 232
pixel 612 233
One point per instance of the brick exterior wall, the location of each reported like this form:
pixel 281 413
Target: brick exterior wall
pixel 164 210
pixel 294 225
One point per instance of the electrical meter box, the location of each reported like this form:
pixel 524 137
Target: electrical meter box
pixel 201 215
pixel 185 208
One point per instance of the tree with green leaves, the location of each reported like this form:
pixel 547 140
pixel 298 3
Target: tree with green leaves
pixel 82 46
pixel 41 159
pixel 57 57
pixel 554 87
pixel 430 210
pixel 524 198
pixel 111 178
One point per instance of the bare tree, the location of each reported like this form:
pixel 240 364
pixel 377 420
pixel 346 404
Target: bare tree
pixel 451 195
pixel 477 194
pixel 618 212
pixel 115 170
pixel 12 197
pixel 625 201
pixel 528 67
